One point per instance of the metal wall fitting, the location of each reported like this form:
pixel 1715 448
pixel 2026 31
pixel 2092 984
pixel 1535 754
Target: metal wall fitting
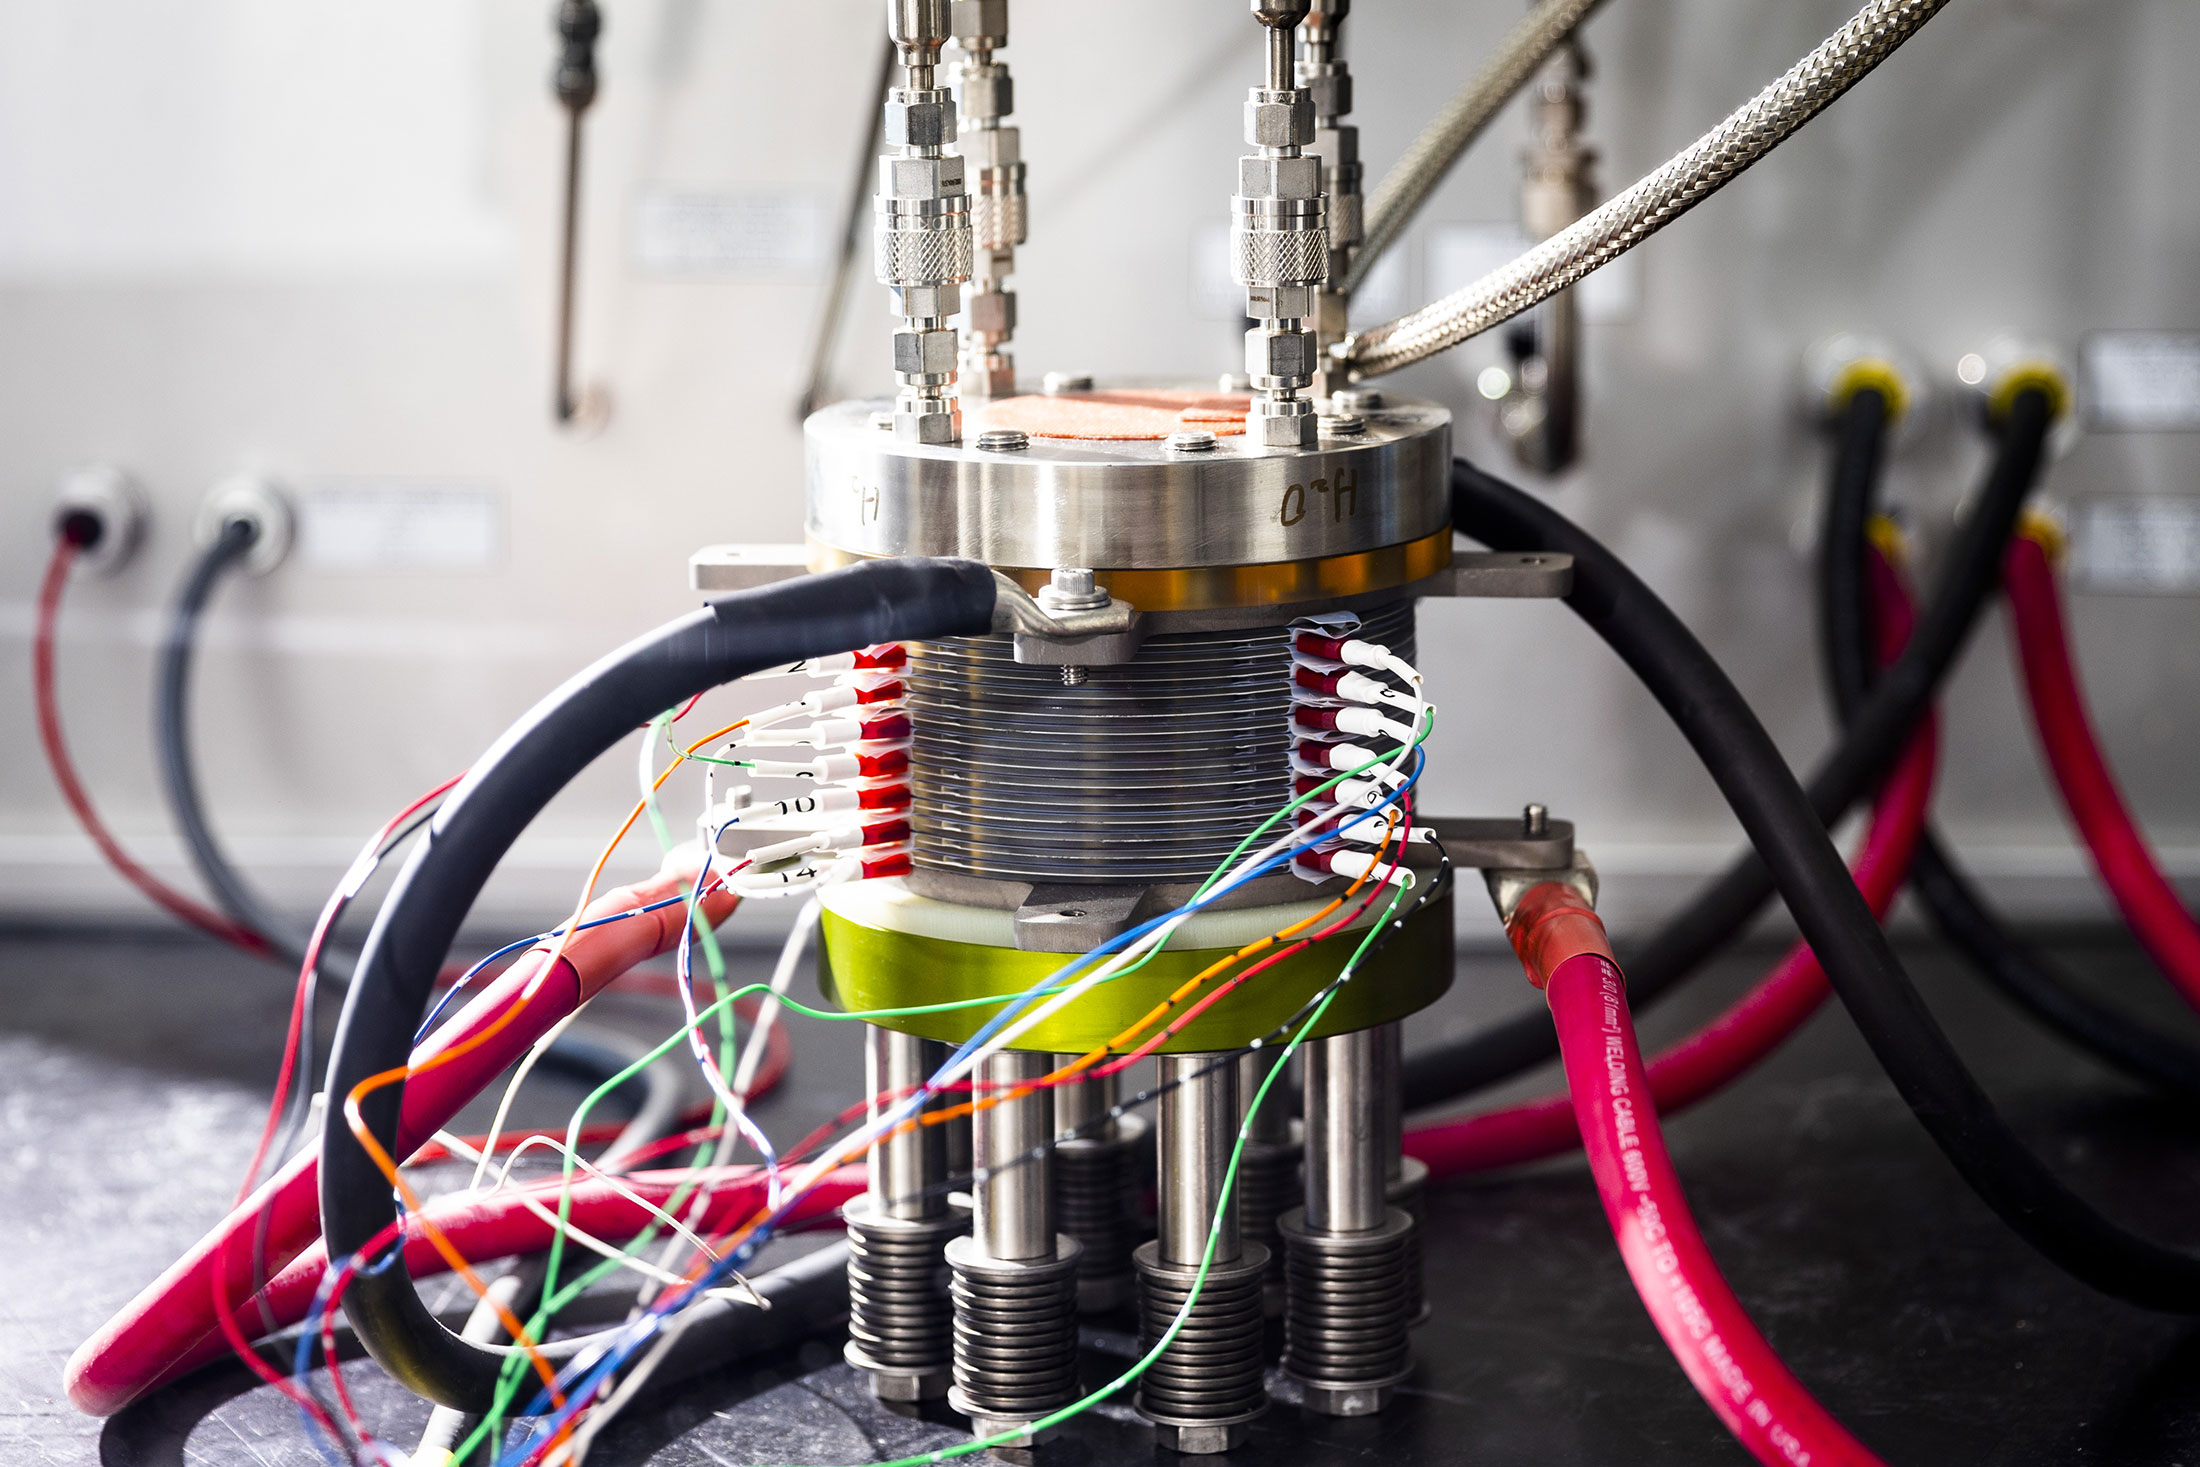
pixel 1347 1304
pixel 1096 1188
pixel 1014 1281
pixel 899 1323
pixel 1323 75
pixel 1202 1390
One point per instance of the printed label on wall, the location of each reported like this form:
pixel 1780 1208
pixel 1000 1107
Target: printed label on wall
pixel 764 233
pixel 2130 544
pixel 2139 381
pixel 378 524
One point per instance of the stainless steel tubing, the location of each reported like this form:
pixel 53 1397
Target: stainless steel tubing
pixel 1404 1180
pixel 1415 175
pixel 1012 1219
pixel 1206 1386
pixel 1014 1284
pixel 1268 1172
pixel 1095 1186
pixel 1344 1155
pixel 1691 176
pixel 899 1319
pixel 1347 1304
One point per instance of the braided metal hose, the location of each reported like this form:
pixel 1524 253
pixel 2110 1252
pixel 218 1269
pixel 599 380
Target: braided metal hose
pixel 1415 176
pixel 1693 175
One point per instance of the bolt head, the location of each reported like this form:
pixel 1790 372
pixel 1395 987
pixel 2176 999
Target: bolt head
pixel 938 426
pixel 1199 1441
pixel 1343 427
pixel 1279 120
pixel 1359 1401
pixel 1073 580
pixel 1284 353
pixel 1005 440
pixel 924 353
pixel 1193 440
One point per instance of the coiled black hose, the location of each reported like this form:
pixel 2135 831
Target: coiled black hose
pixel 1973 568
pixel 746 632
pixel 1790 835
pixel 1959 910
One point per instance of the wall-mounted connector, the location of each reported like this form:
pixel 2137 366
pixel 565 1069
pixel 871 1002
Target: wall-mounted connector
pixel 102 509
pixel 252 500
pixel 1836 368
pixel 1994 374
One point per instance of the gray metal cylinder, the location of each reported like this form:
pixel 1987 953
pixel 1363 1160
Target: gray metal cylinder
pixel 1198 1127
pixel 1345 1178
pixel 1268 1173
pixel 909 1170
pixel 1012 1217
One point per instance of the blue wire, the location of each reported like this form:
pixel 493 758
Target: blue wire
pixel 645 1328
pixel 525 942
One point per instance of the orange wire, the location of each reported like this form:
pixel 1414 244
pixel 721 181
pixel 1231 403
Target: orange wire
pixel 388 1166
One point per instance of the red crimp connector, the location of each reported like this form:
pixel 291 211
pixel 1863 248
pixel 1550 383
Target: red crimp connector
pixel 884 690
pixel 884 655
pixel 885 726
pixel 1315 720
pixel 885 832
pixel 1321 684
pixel 1314 644
pixel 1551 924
pixel 885 761
pixel 894 863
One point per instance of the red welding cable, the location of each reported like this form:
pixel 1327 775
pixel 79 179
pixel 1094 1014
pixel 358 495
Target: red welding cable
pixel 1729 1362
pixel 207 920
pixel 1762 1019
pixel 2150 905
pixel 172 1315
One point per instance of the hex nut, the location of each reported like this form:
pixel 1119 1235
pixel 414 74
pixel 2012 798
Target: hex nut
pixel 992 147
pixel 1284 122
pixel 933 425
pixel 992 310
pixel 988 91
pixel 1272 352
pixel 1279 302
pixel 1331 91
pixel 972 20
pixel 1353 1401
pixel 920 178
pixel 1199 1441
pixel 991 375
pixel 924 353
pixel 929 123
pixel 1272 431
pixel 1280 178
pixel 935 301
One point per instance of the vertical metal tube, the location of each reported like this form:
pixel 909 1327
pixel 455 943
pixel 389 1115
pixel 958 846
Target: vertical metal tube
pixel 1272 1124
pixel 1344 1168
pixel 1390 1115
pixel 907 1169
pixel 1079 1106
pixel 1012 1219
pixel 1199 1120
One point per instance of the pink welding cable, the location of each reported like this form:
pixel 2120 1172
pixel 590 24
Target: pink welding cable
pixel 2150 905
pixel 1731 1365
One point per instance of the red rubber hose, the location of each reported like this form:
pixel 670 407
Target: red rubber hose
pixel 1762 1019
pixel 182 907
pixel 1731 1365
pixel 175 1313
pixel 2150 905
pixel 500 1225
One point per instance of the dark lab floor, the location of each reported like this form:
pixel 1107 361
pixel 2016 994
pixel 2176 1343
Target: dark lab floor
pixel 130 1081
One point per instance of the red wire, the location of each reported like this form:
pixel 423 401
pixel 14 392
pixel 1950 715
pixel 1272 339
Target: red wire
pixel 2150 905
pixel 307 972
pixel 205 918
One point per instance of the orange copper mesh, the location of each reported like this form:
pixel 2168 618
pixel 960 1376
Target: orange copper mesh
pixel 1152 413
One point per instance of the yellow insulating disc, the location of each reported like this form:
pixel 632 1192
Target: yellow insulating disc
pixel 871 968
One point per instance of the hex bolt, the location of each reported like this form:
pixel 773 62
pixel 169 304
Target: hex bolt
pixel 1003 440
pixel 1535 820
pixel 1193 440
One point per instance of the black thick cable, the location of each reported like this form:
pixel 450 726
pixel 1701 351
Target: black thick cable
pixel 1788 831
pixel 1971 571
pixel 738 634
pixel 1959 910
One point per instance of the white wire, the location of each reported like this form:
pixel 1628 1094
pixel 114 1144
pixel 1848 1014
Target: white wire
pixel 511 1091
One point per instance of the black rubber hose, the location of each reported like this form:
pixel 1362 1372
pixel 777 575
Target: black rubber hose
pixel 179 776
pixel 1788 831
pixel 1721 910
pixel 1959 909
pixel 746 632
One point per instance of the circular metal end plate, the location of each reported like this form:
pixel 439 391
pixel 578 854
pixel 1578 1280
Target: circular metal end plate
pixel 1241 525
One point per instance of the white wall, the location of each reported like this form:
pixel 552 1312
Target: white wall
pixel 317 240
